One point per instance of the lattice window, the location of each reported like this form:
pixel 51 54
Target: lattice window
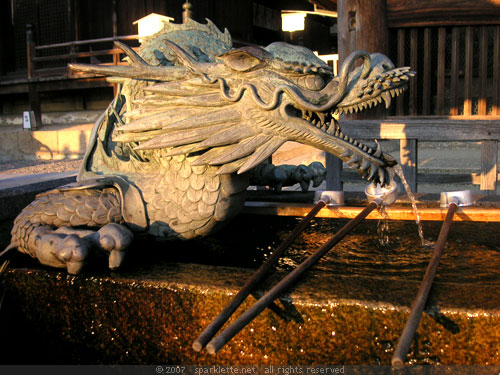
pixel 457 70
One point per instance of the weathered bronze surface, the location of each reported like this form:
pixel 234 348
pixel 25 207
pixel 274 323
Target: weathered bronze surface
pixel 170 155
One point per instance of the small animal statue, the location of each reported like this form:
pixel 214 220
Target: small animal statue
pixel 171 154
pixel 266 174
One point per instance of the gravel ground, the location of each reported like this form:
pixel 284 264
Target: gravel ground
pixel 39 166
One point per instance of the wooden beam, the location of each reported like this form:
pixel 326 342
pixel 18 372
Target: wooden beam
pixel 394 212
pixel 86 42
pixel 54 85
pixel 401 62
pixel 483 70
pixel 425 129
pixel 421 13
pixel 69 56
pixel 426 79
pixel 33 94
pixel 430 178
pixel 441 61
pixel 496 71
pixel 411 13
pixel 468 71
pixel 454 71
pixel 414 65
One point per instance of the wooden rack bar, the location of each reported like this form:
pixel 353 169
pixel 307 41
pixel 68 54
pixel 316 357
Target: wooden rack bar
pixel 395 212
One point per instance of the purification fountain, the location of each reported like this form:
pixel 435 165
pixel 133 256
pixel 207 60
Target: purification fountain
pixel 170 159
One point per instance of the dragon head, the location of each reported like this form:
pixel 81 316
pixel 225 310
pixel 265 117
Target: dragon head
pixel 235 110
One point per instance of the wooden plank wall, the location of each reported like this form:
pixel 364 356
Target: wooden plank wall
pixel 454 97
pixel 457 70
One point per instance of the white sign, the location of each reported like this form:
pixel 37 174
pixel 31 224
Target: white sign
pixel 28 117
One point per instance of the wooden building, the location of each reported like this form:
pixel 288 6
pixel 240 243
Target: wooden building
pixel 39 38
pixel 454 45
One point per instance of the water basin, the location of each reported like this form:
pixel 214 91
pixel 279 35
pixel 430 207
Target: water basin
pixel 350 308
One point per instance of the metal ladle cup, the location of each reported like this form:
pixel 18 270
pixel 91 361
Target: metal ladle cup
pixel 462 198
pixel 386 195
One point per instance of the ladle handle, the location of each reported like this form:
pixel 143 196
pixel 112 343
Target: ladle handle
pixel 225 314
pixel 266 300
pixel 399 356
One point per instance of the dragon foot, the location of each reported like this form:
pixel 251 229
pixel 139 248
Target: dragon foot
pixel 62 251
pixel 69 248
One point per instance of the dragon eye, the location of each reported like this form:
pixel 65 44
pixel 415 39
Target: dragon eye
pixel 312 82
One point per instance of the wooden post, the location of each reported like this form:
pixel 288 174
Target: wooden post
pixel 333 173
pixel 441 74
pixel 408 152
pixel 33 95
pixel 362 25
pixel 116 57
pixel 489 156
pixel 469 60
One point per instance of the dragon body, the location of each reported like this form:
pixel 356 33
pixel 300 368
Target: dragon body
pixel 171 155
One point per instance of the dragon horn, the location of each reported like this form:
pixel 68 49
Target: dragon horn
pixel 132 55
pixel 340 86
pixel 185 58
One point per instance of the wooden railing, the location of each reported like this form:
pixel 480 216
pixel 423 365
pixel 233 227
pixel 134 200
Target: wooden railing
pixel 46 64
pixel 74 51
pixel 409 131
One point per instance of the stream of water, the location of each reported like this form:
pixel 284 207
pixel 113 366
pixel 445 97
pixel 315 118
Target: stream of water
pixel 399 171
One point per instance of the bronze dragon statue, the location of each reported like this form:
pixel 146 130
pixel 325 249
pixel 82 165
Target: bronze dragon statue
pixel 170 155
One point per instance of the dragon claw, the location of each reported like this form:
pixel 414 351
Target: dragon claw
pixel 62 251
pixel 115 239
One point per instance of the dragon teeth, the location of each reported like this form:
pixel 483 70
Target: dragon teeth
pixel 321 116
pixel 387 98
